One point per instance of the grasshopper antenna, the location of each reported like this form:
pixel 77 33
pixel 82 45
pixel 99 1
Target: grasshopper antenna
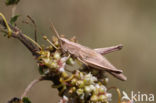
pixel 56 33
pixel 54 30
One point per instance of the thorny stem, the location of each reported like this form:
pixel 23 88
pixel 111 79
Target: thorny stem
pixel 23 38
pixel 35 81
pixel 16 33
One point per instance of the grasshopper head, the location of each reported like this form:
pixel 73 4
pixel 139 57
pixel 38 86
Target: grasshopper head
pixel 64 43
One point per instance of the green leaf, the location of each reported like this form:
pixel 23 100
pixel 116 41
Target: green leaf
pixel 13 19
pixel 26 100
pixel 11 2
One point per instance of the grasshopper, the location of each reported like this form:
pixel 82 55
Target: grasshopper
pixel 90 57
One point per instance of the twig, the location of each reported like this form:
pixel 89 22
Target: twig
pixel 5 24
pixel 13 10
pixel 118 91
pixel 27 41
pixel 35 27
pixel 35 81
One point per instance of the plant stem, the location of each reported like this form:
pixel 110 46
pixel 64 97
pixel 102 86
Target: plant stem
pixel 7 25
pixel 13 11
pixel 32 83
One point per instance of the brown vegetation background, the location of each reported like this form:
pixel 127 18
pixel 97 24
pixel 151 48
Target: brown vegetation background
pixel 95 23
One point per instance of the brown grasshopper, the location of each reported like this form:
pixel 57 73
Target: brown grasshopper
pixel 90 57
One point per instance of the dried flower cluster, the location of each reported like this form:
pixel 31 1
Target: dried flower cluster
pixel 82 85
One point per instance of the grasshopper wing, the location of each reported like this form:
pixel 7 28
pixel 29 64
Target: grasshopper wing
pixel 96 60
pixel 119 76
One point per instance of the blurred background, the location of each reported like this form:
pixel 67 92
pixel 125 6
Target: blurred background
pixel 95 23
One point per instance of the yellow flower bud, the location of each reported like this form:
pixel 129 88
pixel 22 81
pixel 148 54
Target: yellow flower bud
pixel 79 91
pixel 57 55
pixel 94 98
pixel 70 61
pixel 45 37
pixel 80 83
pixel 74 81
pixel 102 98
